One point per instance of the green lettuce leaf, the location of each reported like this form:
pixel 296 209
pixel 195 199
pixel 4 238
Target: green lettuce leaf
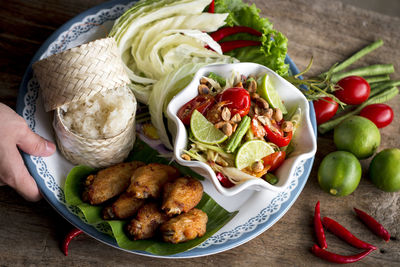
pixel 273 51
pixel 217 216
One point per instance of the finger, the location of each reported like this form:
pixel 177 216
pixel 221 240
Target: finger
pixel 35 145
pixel 15 174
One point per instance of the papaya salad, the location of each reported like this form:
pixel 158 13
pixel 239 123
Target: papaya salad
pixel 239 126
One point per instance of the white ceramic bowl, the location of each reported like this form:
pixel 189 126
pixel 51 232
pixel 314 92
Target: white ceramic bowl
pixel 304 139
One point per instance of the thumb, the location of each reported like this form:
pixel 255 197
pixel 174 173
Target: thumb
pixel 33 144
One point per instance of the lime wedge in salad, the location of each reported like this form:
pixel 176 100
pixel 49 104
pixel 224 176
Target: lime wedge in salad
pixel 252 151
pixel 266 90
pixel 204 131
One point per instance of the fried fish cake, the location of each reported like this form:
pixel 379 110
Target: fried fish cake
pixel 124 207
pixel 185 227
pixel 146 222
pixel 147 181
pixel 181 195
pixel 109 182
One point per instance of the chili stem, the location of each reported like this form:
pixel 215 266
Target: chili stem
pixel 376 79
pixel 372 70
pixel 357 56
pixel 373 225
pixel 380 98
pixel 333 257
pixel 341 232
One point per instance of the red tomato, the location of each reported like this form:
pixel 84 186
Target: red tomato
pixel 325 109
pixel 278 137
pixel 380 114
pixel 238 100
pixel 225 182
pixel 355 90
pixel 274 160
pixel 200 102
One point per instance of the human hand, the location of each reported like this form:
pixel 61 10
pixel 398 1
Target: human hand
pixel 14 134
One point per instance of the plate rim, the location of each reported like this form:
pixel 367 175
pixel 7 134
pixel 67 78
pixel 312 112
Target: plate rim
pixel 92 231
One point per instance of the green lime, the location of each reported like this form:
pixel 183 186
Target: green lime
pixel 252 151
pixel 357 135
pixel 339 173
pixel 204 131
pixel 384 170
pixel 266 90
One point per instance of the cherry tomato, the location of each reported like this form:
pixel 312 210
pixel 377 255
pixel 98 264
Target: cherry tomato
pixel 274 160
pixel 277 136
pixel 355 90
pixel 238 100
pixel 225 182
pixel 200 102
pixel 325 109
pixel 380 114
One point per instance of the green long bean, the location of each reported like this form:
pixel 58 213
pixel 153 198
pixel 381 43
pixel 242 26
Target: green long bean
pixel 377 79
pixel 377 89
pixel 358 55
pixel 372 70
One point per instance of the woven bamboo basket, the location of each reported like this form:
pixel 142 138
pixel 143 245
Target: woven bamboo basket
pixel 74 76
pixel 80 72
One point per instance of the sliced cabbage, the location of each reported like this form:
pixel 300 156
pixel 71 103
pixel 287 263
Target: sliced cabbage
pixel 157 37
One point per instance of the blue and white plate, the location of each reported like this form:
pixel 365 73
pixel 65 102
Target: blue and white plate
pixel 258 210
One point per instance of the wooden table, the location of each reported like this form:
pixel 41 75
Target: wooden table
pixel 30 233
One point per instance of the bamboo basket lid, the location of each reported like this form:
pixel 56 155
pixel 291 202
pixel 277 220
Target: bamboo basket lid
pixel 80 72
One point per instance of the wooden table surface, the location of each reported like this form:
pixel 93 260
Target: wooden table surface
pixel 30 233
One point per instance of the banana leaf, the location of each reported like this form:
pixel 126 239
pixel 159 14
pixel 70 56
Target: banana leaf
pixel 217 216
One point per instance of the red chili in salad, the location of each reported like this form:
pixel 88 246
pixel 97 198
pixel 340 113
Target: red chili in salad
pixel 337 258
pixel 211 8
pixel 373 225
pixel 318 229
pixel 231 45
pixel 340 231
pixel 227 31
pixel 225 182
pixel 71 235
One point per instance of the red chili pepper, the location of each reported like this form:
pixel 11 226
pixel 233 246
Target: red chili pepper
pixel 231 45
pixel 333 257
pixel 372 224
pixel 338 230
pixel 211 8
pixel 71 234
pixel 318 229
pixel 225 182
pixel 227 31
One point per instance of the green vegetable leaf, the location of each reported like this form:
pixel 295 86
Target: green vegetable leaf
pixel 273 50
pixel 217 216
